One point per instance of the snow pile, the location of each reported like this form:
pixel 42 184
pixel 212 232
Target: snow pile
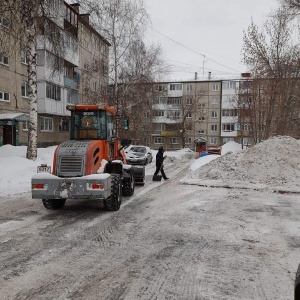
pixel 274 162
pixel 231 147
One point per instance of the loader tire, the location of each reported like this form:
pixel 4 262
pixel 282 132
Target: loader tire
pixel 128 186
pixel 54 203
pixel 113 203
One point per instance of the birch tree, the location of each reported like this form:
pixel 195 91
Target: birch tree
pixel 27 19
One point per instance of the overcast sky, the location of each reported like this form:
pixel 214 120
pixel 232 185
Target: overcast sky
pixel 209 33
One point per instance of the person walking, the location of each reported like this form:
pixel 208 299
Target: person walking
pixel 159 162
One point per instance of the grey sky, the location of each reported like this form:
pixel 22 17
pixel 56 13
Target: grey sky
pixel 213 28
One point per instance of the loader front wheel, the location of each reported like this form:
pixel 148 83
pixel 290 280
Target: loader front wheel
pixel 128 186
pixel 54 203
pixel 113 202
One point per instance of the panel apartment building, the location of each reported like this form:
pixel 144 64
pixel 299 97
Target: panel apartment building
pixel 80 76
pixel 190 113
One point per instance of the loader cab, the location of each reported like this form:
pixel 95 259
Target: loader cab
pixel 91 124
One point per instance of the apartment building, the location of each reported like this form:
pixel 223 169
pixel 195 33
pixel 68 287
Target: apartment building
pixel 61 79
pixel 186 114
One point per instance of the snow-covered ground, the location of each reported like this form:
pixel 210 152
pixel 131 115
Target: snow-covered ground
pixel 273 164
pixel 16 170
pixel 239 241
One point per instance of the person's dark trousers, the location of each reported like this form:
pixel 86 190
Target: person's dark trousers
pixel 161 169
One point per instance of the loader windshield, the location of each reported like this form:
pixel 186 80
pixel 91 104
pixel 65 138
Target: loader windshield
pixel 88 125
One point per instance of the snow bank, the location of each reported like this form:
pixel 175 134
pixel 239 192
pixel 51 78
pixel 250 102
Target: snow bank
pixel 274 162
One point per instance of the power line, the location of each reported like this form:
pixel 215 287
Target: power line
pixel 188 48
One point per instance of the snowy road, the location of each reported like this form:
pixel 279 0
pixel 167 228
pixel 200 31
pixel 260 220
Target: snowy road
pixel 168 241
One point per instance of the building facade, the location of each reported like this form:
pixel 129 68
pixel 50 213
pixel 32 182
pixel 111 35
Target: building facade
pixel 61 78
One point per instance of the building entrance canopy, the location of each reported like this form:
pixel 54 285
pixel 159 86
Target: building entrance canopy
pixel 14 117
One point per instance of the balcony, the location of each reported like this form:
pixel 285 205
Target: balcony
pixel 168 133
pixel 70 83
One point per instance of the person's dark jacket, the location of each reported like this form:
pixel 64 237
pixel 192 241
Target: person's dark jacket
pixel 159 158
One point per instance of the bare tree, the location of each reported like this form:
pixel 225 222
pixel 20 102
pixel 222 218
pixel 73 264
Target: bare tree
pixel 132 63
pixel 28 19
pixel 121 23
pixel 273 55
pixel 292 5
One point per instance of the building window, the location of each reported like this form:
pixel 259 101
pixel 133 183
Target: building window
pixel 214 127
pixel 247 141
pixel 189 88
pixel 215 87
pixel 71 16
pixel 159 127
pixel 160 88
pixel 3 58
pixel 159 113
pixel 25 125
pixel 95 42
pixel 158 140
pixel 229 85
pixel 63 125
pixel 72 97
pixel 176 114
pixel 85 44
pixel 213 140
pixel 24 89
pixel 189 101
pixel 86 66
pixel 229 112
pixel 189 114
pixel 174 140
pixel 23 57
pixel 175 87
pixel 174 101
pixel 95 64
pixel 4 22
pixel 4 96
pixel 160 100
pixel 201 132
pixel 53 91
pixel 201 105
pixel 188 140
pixel 94 88
pixel 228 127
pixel 214 100
pixel 214 114
pixel 46 124
pixel 201 118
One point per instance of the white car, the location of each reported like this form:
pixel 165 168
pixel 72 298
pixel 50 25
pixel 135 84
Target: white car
pixel 138 155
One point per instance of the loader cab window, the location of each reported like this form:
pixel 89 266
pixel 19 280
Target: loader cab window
pixel 110 127
pixel 88 125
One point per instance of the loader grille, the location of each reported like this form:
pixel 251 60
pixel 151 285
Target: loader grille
pixel 71 166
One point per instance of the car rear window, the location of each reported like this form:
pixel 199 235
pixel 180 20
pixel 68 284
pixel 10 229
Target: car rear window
pixel 138 149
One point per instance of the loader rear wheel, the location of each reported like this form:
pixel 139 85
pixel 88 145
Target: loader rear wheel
pixel 54 203
pixel 113 203
pixel 128 186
